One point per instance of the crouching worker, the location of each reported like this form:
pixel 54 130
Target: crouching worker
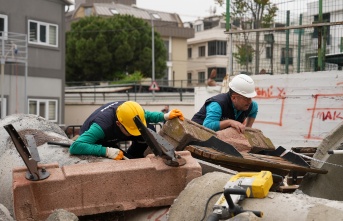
pixel 234 109
pixel 113 123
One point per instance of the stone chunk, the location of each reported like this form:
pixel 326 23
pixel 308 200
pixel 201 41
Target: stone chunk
pixel 62 215
pixel 251 141
pixel 94 188
pixel 180 133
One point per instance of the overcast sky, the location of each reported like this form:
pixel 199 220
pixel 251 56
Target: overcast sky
pixel 188 10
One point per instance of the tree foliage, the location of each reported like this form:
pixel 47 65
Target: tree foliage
pixel 105 49
pixel 244 55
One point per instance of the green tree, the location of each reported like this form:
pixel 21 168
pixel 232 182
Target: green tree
pixel 244 55
pixel 260 12
pixel 105 49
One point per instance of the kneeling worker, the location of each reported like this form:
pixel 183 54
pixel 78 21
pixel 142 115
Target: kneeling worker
pixel 113 123
pixel 230 109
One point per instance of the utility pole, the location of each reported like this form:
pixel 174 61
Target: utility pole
pixel 229 46
pixel 153 54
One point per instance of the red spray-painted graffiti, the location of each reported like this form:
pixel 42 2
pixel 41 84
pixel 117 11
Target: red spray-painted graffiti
pixel 263 93
pixel 330 115
pixel 324 114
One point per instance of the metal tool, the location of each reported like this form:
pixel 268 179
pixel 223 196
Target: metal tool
pixel 159 145
pixel 287 155
pixel 30 156
pixel 219 145
pixel 240 186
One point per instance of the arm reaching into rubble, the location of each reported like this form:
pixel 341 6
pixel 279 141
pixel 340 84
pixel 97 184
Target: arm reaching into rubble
pixel 214 113
pixel 86 143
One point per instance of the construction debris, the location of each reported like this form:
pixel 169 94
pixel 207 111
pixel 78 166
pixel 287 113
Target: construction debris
pixel 321 180
pixel 192 204
pixel 330 184
pixel 188 135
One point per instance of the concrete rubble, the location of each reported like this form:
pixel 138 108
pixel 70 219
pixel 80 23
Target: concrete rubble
pixel 330 184
pixel 191 203
pixel 180 133
pixel 195 185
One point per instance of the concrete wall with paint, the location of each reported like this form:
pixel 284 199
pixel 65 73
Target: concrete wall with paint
pixel 295 110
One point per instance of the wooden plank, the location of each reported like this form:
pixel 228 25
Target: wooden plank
pixel 250 160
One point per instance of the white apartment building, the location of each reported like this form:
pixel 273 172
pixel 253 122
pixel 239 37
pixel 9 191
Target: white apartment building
pixel 295 47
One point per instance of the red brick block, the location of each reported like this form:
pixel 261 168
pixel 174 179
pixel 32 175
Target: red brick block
pixel 99 187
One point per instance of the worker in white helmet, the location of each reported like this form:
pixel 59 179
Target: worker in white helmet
pixel 234 109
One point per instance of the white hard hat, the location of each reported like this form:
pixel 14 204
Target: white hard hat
pixel 244 85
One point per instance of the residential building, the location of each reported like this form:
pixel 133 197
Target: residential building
pixel 281 50
pixel 168 25
pixel 332 12
pixel 209 50
pixel 32 43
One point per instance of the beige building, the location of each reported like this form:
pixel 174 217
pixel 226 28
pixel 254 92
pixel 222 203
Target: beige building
pixel 210 49
pixel 168 25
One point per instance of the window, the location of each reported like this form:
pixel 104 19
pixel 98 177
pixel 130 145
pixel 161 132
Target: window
pixel 166 44
pixel 216 48
pixel 5 107
pixel 221 73
pixel 88 11
pixel 268 52
pixel 202 51
pixel 326 19
pixel 42 33
pixel 201 77
pixel 44 108
pixel 198 28
pixel 189 52
pixel 189 78
pixel 284 55
pixel 3 25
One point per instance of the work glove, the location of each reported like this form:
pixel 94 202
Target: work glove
pixel 114 153
pixel 173 114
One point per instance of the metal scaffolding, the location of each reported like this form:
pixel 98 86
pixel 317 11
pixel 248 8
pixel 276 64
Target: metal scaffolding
pixel 13 50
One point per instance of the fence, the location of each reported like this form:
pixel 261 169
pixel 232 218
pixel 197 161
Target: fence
pixel 137 90
pixel 304 36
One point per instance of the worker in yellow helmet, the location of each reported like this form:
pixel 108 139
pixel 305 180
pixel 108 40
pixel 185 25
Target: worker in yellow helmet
pixel 113 123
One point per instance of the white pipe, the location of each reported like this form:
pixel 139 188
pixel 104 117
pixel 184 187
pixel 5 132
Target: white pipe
pixel 335 152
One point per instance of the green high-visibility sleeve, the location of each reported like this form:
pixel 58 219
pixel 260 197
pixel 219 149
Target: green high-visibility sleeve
pixel 86 143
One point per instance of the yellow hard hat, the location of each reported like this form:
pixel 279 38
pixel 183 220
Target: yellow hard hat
pixel 125 114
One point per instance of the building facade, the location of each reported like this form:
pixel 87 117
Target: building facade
pixel 168 25
pixel 32 46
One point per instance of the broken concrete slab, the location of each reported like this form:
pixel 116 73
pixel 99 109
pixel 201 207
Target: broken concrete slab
pixel 191 203
pixel 332 141
pixel 180 133
pixel 330 184
pixel 43 132
pixel 5 215
pixel 102 187
pixel 251 141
